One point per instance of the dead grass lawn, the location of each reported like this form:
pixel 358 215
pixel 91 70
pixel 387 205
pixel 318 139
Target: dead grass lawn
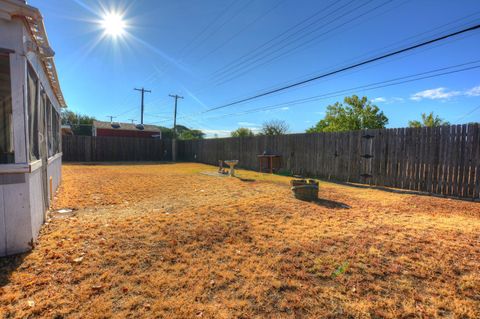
pixel 164 241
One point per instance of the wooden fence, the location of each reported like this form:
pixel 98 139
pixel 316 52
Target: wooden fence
pixel 443 160
pixel 111 149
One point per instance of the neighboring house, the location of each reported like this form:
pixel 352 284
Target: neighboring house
pixel 125 130
pixel 67 130
pixel 30 140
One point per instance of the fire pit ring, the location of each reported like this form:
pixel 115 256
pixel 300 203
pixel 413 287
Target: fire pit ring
pixel 305 189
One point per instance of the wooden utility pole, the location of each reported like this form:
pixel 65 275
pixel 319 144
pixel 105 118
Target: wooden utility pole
pixel 110 116
pixel 143 96
pixel 174 139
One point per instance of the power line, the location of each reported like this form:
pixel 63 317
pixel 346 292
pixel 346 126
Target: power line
pixel 315 78
pixel 111 117
pixel 376 51
pixel 200 34
pixel 372 86
pixel 260 47
pixel 303 33
pixel 367 87
pixel 236 13
pixel 270 57
pixel 468 113
pixel 258 18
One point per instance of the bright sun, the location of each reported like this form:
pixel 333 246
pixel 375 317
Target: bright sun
pixel 113 24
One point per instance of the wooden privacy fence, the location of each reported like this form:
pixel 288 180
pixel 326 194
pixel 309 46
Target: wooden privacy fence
pixel 111 149
pixel 443 160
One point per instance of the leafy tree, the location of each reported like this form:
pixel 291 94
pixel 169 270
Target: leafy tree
pixel 183 133
pixel 80 124
pixel 191 135
pixel 274 127
pixel 354 114
pixel 242 132
pixel 167 133
pixel 429 120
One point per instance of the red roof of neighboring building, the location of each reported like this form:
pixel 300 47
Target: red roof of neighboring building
pixel 125 130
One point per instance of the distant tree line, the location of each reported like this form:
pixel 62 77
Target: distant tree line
pixel 353 114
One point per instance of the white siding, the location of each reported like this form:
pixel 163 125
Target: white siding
pixel 55 171
pixel 18 234
pixel 3 229
pixel 36 200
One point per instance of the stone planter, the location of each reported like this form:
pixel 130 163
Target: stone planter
pixel 306 190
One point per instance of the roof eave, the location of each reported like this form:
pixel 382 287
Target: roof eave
pixel 35 25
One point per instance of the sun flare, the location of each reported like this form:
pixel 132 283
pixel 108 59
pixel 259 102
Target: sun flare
pixel 113 24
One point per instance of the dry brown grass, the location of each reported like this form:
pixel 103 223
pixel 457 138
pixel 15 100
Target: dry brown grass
pixel 163 241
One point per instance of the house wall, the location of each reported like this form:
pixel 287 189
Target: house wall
pixel 55 172
pixel 15 218
pixel 16 233
pixel 124 133
pixel 37 207
pixel 22 205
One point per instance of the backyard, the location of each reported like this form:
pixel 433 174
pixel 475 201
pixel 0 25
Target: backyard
pixel 166 240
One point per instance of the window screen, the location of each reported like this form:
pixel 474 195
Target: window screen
pixel 49 129
pixel 33 109
pixel 6 123
pixel 56 131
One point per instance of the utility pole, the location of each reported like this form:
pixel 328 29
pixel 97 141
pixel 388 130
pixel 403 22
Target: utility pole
pixel 143 94
pixel 133 121
pixel 111 118
pixel 174 139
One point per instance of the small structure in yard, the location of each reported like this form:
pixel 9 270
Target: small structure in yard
pixel 231 164
pixel 269 163
pixel 306 190
pixel 125 130
pixel 221 169
pixel 30 139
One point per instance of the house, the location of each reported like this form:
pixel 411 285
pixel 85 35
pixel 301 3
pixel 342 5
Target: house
pixel 67 129
pixel 30 140
pixel 125 130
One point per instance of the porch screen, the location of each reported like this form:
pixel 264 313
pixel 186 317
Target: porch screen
pixel 7 155
pixel 33 109
pixel 56 131
pixel 49 129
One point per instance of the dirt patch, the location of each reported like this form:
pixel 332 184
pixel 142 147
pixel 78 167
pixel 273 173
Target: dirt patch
pixel 167 241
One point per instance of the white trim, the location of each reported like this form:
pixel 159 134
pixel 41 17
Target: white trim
pixel 17 76
pixel 35 165
pixel 24 167
pixel 14 168
pixel 55 157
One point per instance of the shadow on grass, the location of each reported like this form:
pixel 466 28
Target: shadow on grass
pixel 331 204
pixel 120 163
pixel 8 265
pixel 247 180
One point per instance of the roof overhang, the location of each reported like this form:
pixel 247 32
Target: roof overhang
pixel 33 20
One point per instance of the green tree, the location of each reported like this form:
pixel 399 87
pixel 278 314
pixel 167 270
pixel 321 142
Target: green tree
pixel 80 124
pixel 429 120
pixel 353 114
pixel 242 132
pixel 191 135
pixel 183 133
pixel 274 127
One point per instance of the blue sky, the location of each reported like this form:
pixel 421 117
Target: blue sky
pixel 217 51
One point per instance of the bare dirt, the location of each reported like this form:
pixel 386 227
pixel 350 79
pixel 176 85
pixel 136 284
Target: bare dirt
pixel 165 241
